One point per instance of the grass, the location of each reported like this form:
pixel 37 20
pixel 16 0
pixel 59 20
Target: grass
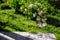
pixel 21 23
pixel 9 21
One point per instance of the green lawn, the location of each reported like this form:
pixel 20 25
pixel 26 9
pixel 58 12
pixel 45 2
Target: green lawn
pixel 12 21
pixel 21 23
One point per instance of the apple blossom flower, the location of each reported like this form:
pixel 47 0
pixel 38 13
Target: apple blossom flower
pixel 41 24
pixel 39 4
pixel 25 9
pixel 31 5
pixel 38 18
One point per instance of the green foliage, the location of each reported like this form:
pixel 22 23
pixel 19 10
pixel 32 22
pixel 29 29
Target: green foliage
pixel 17 15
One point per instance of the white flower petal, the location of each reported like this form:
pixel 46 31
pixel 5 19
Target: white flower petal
pixel 39 4
pixel 31 5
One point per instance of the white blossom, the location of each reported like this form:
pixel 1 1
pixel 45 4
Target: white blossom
pixel 42 11
pixel 39 13
pixel 31 5
pixel 38 9
pixel 21 8
pixel 44 19
pixel 39 4
pixel 41 24
pixel 44 24
pixel 34 14
pixel 25 9
pixel 38 18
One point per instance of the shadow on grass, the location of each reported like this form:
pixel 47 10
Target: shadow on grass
pixel 13 36
pixel 55 3
pixel 2 38
pixel 1 1
pixel 16 28
pixel 5 7
pixel 3 25
pixel 53 21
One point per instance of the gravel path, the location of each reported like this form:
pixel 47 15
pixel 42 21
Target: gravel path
pixel 26 36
